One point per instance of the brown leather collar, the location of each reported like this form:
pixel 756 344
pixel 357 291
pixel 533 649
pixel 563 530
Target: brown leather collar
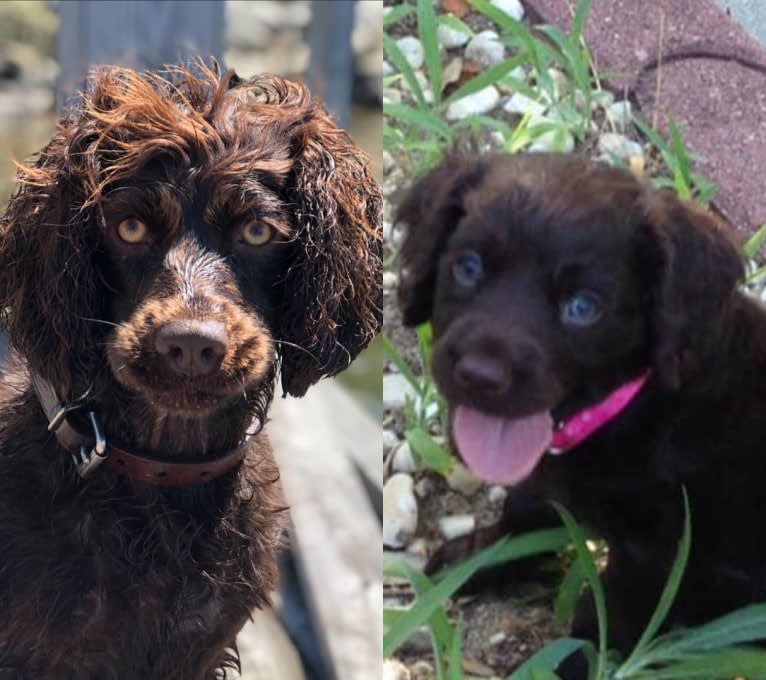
pixel 91 451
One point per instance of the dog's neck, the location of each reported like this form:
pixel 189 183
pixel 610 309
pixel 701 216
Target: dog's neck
pixel 137 441
pixel 581 425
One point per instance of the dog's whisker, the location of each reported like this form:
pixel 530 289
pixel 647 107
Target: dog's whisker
pixel 292 344
pixel 102 321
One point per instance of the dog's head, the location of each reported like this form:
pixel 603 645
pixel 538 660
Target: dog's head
pixel 550 281
pixel 192 231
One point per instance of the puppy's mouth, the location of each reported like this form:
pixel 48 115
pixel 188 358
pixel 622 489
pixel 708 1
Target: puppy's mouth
pixel 498 449
pixel 505 450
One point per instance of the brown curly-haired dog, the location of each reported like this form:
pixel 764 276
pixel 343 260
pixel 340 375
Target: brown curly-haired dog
pixel 180 240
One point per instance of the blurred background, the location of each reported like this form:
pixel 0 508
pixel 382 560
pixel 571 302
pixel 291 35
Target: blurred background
pixel 327 622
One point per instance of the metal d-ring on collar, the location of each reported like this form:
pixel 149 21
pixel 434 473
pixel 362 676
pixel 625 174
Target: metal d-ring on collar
pixel 85 461
pixel 89 451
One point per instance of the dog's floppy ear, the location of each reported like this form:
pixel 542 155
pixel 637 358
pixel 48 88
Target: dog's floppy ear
pixel 332 300
pixel 49 288
pixel 430 211
pixel 694 266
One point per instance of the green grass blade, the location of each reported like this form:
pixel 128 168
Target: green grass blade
pixel 429 452
pixel 455 24
pixel 397 58
pixel 578 21
pixel 442 633
pixel 721 665
pixel 488 77
pixel 547 658
pixel 591 575
pixel 754 243
pixel 668 593
pixel 678 147
pixel 455 664
pixel 393 355
pixel 425 344
pixel 742 626
pixel 536 50
pixel 544 675
pixel 427 30
pixel 504 550
pixel 396 14
pixel 424 120
pixel 569 592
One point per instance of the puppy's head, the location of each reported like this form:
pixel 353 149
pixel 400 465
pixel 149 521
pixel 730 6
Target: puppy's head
pixel 197 230
pixel 551 280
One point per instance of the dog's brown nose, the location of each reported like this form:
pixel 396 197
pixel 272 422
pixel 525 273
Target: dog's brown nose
pixel 192 348
pixel 481 373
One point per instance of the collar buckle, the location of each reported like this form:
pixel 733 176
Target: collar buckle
pixel 88 461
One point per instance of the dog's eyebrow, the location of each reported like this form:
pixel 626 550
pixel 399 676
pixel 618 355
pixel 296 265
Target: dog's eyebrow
pixel 232 202
pixel 159 202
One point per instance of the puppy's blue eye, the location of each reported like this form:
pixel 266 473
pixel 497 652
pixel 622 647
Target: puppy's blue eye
pixel 468 269
pixel 583 308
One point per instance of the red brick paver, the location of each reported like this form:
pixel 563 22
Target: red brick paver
pixel 720 104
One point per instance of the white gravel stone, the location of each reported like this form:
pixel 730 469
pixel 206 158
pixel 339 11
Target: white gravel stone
pixel 390 440
pixel 412 49
pixel 477 103
pixel 388 227
pixel 390 280
pixel 485 49
pixel 497 494
pixel 560 141
pixel 462 480
pixel 400 511
pixel 513 8
pixel 620 113
pixel 395 670
pixel 392 96
pixel 520 103
pixel 403 460
pixel 395 389
pixel 388 70
pixel 449 37
pixel 454 526
pixel 497 638
pixel 613 144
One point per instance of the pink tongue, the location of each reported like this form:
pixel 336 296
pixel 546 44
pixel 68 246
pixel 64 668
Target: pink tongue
pixel 501 450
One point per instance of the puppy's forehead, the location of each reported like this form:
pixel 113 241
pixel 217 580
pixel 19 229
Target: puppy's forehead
pixel 552 204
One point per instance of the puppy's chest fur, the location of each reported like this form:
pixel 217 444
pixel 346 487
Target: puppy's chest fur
pixel 114 578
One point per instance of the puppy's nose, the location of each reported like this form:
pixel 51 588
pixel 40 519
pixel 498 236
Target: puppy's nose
pixel 192 348
pixel 482 373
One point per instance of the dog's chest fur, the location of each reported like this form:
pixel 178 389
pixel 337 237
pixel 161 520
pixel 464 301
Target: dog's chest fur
pixel 115 578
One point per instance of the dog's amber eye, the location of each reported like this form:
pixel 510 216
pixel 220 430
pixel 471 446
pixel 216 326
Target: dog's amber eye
pixel 256 233
pixel 132 230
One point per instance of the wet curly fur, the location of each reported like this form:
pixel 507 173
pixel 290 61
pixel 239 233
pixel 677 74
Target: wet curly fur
pixel 106 578
pixel 666 273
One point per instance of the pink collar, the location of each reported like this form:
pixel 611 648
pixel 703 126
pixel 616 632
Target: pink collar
pixel 577 428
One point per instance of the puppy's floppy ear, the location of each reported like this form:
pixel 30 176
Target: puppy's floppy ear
pixel 50 292
pixel 332 300
pixel 431 211
pixel 693 266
